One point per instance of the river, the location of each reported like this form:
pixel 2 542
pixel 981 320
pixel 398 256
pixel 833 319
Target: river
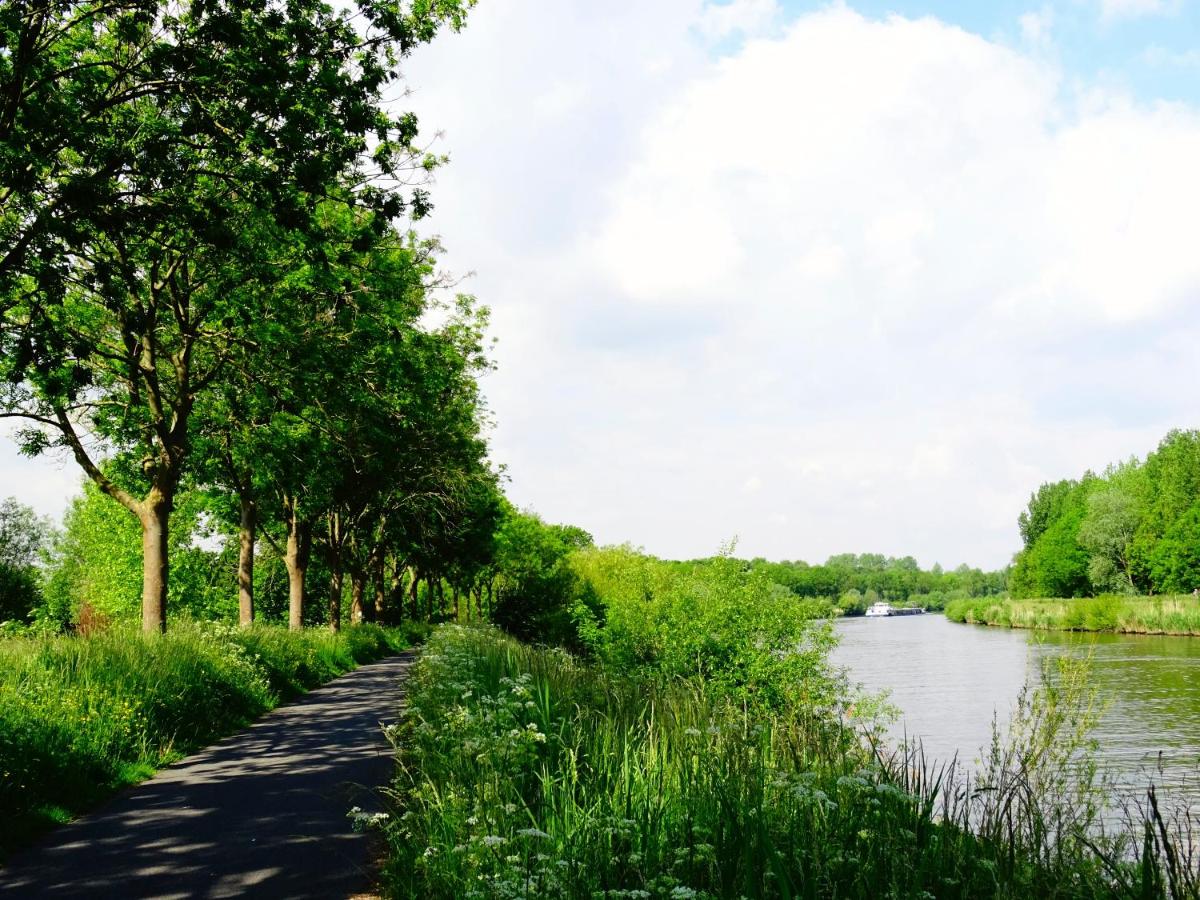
pixel 947 680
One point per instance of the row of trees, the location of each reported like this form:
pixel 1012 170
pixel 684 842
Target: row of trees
pixel 1135 528
pixel 854 581
pixel 509 566
pixel 204 285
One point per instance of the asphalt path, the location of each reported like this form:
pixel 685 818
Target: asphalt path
pixel 259 814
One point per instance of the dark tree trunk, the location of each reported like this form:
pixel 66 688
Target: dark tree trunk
pixel 414 600
pixel 246 531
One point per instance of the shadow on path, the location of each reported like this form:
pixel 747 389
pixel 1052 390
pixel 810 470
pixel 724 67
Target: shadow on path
pixel 261 813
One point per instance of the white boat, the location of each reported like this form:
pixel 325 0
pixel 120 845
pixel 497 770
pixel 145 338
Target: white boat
pixel 886 609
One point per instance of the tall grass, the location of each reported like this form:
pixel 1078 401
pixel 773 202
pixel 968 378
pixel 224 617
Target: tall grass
pixel 1177 615
pixel 526 773
pixel 82 716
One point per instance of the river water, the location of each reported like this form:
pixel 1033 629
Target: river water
pixel 948 680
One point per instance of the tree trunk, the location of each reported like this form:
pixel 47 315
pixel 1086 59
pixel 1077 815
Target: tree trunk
pixel 335 597
pixel 375 609
pixel 358 589
pixel 299 542
pixel 154 515
pixel 246 562
pixel 414 600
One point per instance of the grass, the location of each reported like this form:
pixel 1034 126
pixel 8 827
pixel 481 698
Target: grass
pixel 524 772
pixel 80 717
pixel 1172 615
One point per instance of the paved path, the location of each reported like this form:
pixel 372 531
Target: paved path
pixel 260 814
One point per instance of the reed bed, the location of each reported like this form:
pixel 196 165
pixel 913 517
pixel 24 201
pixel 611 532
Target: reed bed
pixel 1169 615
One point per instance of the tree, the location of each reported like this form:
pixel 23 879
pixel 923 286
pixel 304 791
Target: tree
pixel 23 534
pixel 1107 532
pixel 139 224
pixel 1045 506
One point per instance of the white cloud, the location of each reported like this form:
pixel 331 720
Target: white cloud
pixel 890 269
pixel 1037 26
pixel 722 20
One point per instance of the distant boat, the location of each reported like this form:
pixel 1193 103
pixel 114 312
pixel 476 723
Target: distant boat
pixel 886 609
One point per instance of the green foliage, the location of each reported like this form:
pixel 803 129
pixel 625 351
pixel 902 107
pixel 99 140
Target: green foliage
pixel 1134 529
pixel 525 773
pixel 716 620
pixel 536 587
pixel 80 716
pixel 96 562
pixel 23 536
pixel 1056 564
pixel 20 595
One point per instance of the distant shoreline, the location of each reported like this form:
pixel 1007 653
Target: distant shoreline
pixel 1169 615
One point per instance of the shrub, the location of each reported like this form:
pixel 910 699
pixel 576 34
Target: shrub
pixel 716 620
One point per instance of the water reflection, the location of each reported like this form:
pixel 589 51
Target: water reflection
pixel 949 680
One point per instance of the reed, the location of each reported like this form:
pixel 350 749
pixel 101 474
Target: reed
pixel 1172 615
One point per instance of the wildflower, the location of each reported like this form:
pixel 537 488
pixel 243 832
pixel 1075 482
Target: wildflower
pixel 494 840
pixel 533 833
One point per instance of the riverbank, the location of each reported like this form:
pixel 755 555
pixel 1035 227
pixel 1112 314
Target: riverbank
pixel 82 717
pixel 528 772
pixel 1177 615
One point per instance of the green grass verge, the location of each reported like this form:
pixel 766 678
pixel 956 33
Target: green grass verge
pixel 524 772
pixel 1174 615
pixel 81 717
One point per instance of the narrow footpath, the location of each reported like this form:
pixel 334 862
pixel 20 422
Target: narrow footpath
pixel 259 814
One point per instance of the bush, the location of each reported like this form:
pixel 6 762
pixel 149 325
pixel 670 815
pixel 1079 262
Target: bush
pixel 715 620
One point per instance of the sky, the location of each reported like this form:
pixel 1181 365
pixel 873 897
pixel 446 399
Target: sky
pixel 817 278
